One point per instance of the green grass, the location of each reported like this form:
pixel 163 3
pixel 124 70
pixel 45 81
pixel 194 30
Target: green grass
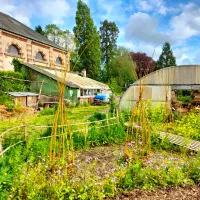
pixel 76 114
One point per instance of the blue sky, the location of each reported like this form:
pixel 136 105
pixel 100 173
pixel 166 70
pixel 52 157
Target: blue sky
pixel 144 24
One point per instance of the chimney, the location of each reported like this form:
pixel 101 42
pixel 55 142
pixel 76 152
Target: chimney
pixel 83 72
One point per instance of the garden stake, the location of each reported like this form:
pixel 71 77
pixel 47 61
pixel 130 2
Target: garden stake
pixel 1 148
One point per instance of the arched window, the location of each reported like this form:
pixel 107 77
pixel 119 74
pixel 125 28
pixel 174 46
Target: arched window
pixel 13 49
pixel 39 56
pixel 58 61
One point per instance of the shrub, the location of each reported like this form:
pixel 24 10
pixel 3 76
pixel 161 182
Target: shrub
pixel 9 105
pixel 97 116
pixel 48 111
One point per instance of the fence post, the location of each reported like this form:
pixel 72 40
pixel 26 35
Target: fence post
pixel 86 131
pixel 107 122
pixel 1 148
pixel 117 116
pixel 25 133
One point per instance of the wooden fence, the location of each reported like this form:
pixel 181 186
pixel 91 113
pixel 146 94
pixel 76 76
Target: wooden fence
pixel 26 136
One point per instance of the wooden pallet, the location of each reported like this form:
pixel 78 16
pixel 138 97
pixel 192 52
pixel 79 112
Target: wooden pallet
pixel 181 141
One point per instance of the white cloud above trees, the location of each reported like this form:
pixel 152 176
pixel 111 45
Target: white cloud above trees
pixel 141 22
pixel 143 27
pixel 187 23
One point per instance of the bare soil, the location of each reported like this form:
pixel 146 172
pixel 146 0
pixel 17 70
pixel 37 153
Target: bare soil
pixel 170 193
pixel 107 157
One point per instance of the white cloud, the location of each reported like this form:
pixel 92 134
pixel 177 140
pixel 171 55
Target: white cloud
pixel 153 5
pixel 113 10
pixel 53 9
pixel 145 6
pixel 23 10
pixel 187 24
pixel 143 27
pixel 20 12
pixel 150 50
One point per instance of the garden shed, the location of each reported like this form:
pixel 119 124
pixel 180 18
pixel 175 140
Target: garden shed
pixel 159 84
pixel 78 87
pixel 27 99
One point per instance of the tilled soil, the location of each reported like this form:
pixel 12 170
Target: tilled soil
pixel 186 193
pixel 106 159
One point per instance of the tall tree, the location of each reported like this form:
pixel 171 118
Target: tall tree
pixel 121 69
pixel 62 38
pixel 145 64
pixel 53 33
pixel 108 33
pixel 87 41
pixel 166 58
pixel 39 30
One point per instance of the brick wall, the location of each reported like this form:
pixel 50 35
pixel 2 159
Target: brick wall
pixel 28 49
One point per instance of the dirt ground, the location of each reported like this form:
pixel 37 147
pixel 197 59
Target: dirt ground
pixel 187 193
pixel 106 159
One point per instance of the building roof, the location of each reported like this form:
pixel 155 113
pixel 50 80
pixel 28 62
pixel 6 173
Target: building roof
pixel 10 24
pixel 22 94
pixel 177 75
pixel 72 79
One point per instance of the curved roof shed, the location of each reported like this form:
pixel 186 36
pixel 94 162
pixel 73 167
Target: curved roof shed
pixel 155 84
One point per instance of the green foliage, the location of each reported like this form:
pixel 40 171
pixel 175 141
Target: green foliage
pixel 8 83
pixel 121 68
pixel 47 111
pixel 166 58
pixel 186 99
pixel 188 126
pixel 39 30
pixel 108 33
pixel 112 104
pixel 25 172
pixel 88 41
pixel 8 103
pixel 97 116
pixel 17 65
pixel 114 86
pixel 184 96
pixel 63 38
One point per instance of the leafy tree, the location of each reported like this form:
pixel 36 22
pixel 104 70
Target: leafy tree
pixel 63 38
pixel 166 58
pixel 108 33
pixel 39 30
pixel 145 64
pixel 53 33
pixel 87 41
pixel 121 69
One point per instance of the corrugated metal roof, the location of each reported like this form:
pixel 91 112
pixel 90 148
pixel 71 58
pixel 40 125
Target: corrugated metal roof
pixel 22 94
pixel 72 80
pixel 12 25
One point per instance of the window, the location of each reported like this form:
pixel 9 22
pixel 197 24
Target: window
pixel 39 56
pixel 58 61
pixel 12 49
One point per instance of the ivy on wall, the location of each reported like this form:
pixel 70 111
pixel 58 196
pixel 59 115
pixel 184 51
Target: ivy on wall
pixel 13 81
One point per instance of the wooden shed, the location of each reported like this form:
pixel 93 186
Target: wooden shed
pixel 27 99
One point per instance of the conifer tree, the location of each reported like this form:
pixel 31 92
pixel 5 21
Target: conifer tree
pixel 87 41
pixel 166 58
pixel 108 34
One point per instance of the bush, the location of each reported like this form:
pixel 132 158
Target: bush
pixel 48 111
pixel 186 99
pixel 9 106
pixel 97 116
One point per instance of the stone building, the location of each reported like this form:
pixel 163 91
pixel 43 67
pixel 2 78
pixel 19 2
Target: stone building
pixel 44 61
pixel 19 41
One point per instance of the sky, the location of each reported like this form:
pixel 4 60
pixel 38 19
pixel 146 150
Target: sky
pixel 144 25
